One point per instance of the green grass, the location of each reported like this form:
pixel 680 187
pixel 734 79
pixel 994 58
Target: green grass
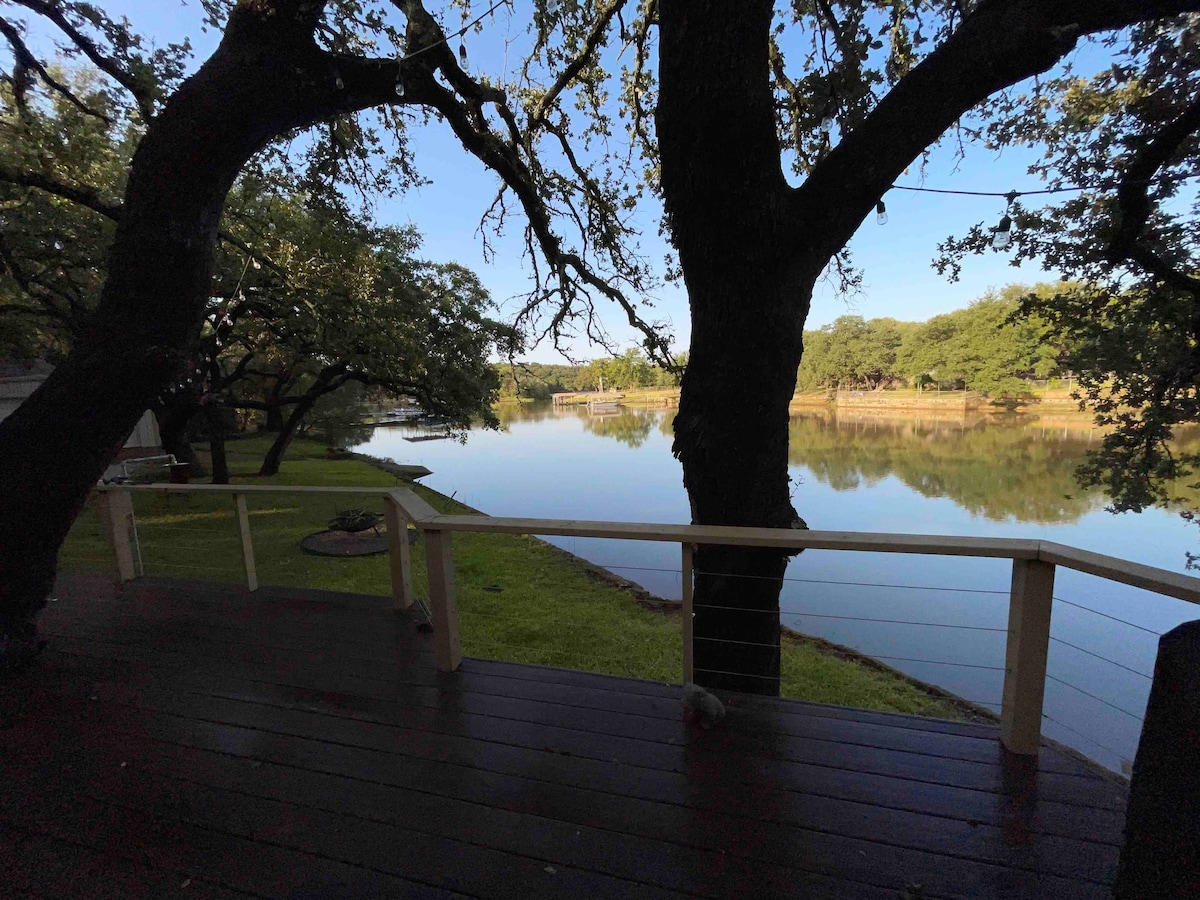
pixel 519 599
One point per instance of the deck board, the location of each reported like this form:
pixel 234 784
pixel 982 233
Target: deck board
pixel 302 743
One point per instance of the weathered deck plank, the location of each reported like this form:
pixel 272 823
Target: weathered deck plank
pixel 294 741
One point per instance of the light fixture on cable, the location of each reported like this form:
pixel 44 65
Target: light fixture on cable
pixel 1002 233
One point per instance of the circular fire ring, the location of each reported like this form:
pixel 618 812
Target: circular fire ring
pixel 345 544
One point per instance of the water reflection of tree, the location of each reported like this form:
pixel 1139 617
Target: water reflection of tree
pixel 508 413
pixel 630 426
pixel 992 469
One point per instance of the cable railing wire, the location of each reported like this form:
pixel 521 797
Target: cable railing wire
pixel 712 640
pixel 1088 738
pixel 812 615
pixel 875 584
pixel 1111 662
pixel 906 587
pixel 936 662
pixel 1119 709
pixel 1107 616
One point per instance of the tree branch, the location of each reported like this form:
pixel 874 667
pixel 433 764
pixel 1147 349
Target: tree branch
pixel 1134 205
pixel 84 196
pixel 576 65
pixel 89 197
pixel 1000 43
pixel 143 96
pixel 24 57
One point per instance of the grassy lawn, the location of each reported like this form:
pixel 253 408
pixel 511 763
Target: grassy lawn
pixel 519 599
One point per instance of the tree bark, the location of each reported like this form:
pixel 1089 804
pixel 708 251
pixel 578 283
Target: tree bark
pixel 328 381
pixel 173 419
pixel 274 458
pixel 749 295
pixel 257 85
pixel 274 406
pixel 216 447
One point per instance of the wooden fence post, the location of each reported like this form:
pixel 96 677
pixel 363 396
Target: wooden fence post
pixel 243 520
pixel 399 555
pixel 1029 611
pixel 116 522
pixel 439 562
pixel 688 664
pixel 1161 856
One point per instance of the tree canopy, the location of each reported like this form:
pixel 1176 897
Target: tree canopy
pixel 339 300
pixel 1124 147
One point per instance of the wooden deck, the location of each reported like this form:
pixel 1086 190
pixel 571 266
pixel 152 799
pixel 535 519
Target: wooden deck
pixel 196 741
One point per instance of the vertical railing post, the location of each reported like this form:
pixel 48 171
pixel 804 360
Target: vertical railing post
pixel 116 522
pixel 400 555
pixel 1029 611
pixel 243 521
pixel 688 659
pixel 439 563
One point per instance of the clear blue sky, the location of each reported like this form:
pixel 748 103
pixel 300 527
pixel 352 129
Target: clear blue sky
pixel 895 258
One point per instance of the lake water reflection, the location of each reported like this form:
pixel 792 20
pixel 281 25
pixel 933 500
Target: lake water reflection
pixel 987 476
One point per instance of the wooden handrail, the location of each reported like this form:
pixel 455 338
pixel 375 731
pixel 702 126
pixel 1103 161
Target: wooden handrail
pixel 1151 578
pixel 422 515
pixel 165 488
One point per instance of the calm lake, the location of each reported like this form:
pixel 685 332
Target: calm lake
pixel 972 475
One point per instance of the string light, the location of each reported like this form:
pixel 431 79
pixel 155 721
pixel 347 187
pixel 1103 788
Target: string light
pixel 1002 234
pixel 826 125
pixel 881 213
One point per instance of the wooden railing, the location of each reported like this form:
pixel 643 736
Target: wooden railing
pixel 1030 600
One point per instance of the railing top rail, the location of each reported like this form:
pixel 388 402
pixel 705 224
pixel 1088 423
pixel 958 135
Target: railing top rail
pixel 165 488
pixel 420 513
pixel 781 538
pixel 1162 581
pixel 1151 578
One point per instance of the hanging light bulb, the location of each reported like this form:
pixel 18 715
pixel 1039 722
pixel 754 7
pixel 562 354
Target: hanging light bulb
pixel 1002 234
pixel 255 263
pixel 826 125
pixel 462 53
pixel 399 86
pixel 341 85
pixel 881 213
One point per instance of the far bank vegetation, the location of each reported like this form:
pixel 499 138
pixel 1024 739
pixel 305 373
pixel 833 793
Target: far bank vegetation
pixel 983 347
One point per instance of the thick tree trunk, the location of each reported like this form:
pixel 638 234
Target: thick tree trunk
pixel 749 291
pixel 274 421
pixel 274 458
pixel 220 462
pixel 731 435
pixel 57 444
pixel 173 422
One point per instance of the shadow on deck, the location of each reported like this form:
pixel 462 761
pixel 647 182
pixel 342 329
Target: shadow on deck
pixel 179 739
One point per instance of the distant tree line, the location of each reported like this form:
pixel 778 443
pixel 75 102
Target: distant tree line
pixel 629 371
pixel 983 348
